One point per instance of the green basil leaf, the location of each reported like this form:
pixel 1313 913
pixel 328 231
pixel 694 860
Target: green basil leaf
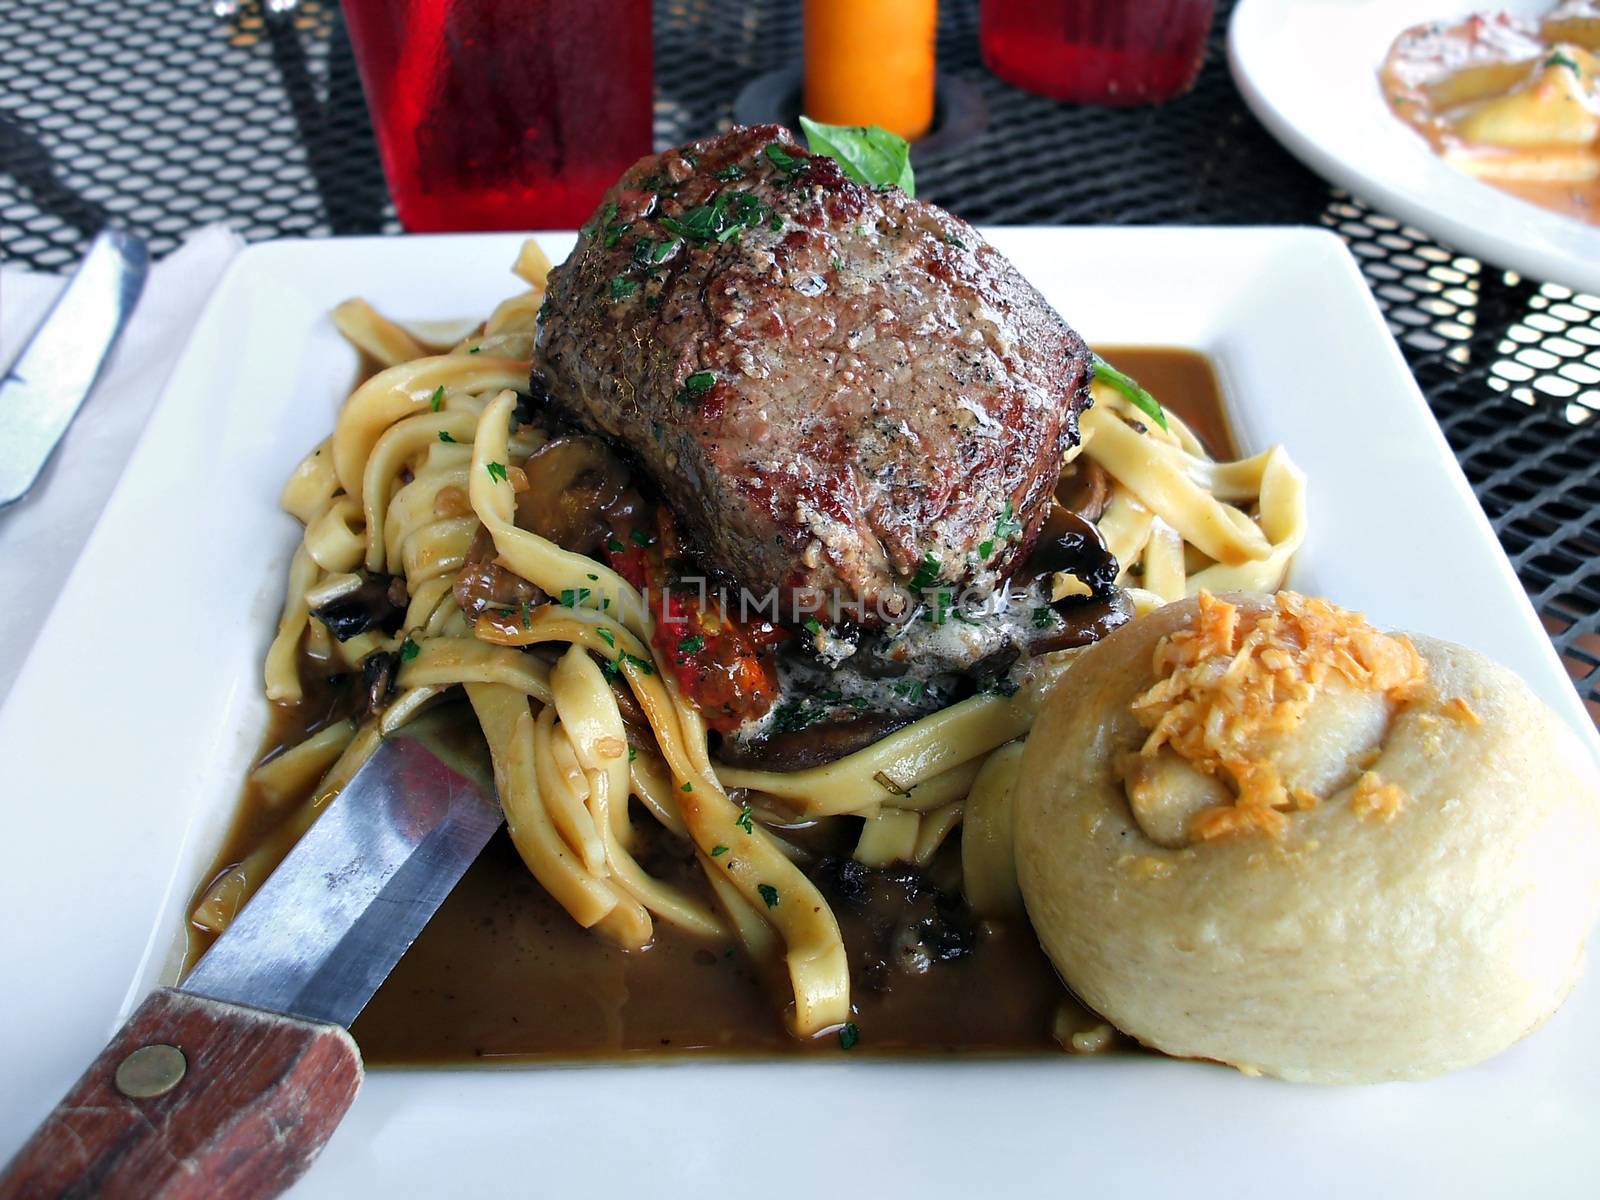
pixel 1129 387
pixel 869 154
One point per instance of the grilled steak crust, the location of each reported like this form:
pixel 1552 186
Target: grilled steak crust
pixel 842 392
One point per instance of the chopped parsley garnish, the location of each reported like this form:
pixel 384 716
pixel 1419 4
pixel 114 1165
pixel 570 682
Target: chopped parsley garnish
pixel 527 611
pixel 849 1036
pixel 643 664
pixel 1044 617
pixel 986 548
pixel 615 545
pixel 1005 524
pixel 691 645
pixel 797 714
pixel 1560 59
pixel 838 263
pixel 745 211
pixel 479 349
pixel 781 158
pixel 927 572
pixel 632 753
pixel 910 689
pixel 437 398
pixel 639 537
pixel 591 575
pixel 614 233
pixel 497 471
pixel 775 223
pixel 409 650
pixel 812 625
pixel 687 786
pixel 729 215
pixel 622 287
pixel 700 381
pixel 941 607
pixel 607 637
pixel 571 597
pixel 606 215
pixel 718 851
pixel 446 438
pixel 951 239
pixel 743 821
pixel 769 894
pixel 648 254
pixel 731 171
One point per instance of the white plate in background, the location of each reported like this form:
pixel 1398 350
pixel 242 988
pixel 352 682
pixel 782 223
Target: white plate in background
pixel 1309 70
pixel 125 739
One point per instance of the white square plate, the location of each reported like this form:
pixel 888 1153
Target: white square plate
pixel 128 732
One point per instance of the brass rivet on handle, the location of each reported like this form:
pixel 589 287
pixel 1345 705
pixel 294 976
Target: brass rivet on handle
pixel 151 1071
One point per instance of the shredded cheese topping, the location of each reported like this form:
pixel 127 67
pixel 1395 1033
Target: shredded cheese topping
pixel 1375 799
pixel 1236 677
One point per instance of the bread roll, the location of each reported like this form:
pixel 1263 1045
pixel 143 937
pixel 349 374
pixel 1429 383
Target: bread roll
pixel 1415 899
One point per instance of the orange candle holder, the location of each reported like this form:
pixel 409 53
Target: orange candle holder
pixel 871 62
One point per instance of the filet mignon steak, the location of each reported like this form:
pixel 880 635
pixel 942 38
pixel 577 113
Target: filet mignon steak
pixel 844 393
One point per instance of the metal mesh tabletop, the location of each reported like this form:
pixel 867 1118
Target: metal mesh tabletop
pixel 161 117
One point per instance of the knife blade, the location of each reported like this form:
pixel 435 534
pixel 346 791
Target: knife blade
pixel 230 1083
pixel 329 924
pixel 43 390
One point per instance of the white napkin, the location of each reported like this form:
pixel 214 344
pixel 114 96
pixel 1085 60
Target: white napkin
pixel 41 535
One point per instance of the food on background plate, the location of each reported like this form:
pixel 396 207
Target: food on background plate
pixel 703 786
pixel 1509 100
pixel 1255 829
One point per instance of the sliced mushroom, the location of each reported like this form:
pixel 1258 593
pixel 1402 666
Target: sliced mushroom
pixel 376 601
pixel 1083 621
pixel 1070 543
pixel 1084 488
pixel 378 672
pixel 814 746
pixel 485 586
pixel 572 483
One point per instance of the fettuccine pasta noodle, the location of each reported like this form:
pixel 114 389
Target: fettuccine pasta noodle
pixel 427 455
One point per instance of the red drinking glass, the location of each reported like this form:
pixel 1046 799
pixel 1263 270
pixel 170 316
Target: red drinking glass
pixel 1096 51
pixel 504 114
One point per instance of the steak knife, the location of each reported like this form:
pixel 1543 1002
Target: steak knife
pixel 57 369
pixel 229 1085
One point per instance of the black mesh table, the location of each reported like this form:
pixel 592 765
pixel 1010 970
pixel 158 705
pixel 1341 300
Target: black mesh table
pixel 162 117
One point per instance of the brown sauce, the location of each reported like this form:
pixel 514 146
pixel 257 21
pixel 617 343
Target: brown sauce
pixel 502 973
pixel 1186 382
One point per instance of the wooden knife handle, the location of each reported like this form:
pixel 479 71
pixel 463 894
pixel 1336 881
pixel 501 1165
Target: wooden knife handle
pixel 193 1098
